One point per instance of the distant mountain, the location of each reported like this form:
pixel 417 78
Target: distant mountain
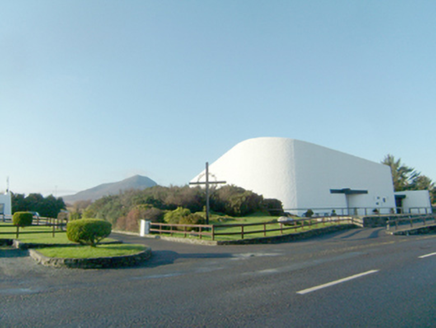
pixel 135 182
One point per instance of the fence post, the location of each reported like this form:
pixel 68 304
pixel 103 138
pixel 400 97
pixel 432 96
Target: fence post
pixel 201 235
pixel 281 228
pixel 264 229
pixel 242 232
pixel 213 232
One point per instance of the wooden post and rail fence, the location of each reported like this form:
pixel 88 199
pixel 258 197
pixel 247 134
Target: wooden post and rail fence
pixel 271 228
pixel 244 230
pixel 52 225
pixel 406 220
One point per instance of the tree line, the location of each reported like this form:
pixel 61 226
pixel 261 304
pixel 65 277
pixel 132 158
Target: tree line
pixel 49 206
pixel 127 208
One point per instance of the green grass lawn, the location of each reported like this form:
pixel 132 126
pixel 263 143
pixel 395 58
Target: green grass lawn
pixel 43 235
pixel 36 234
pixel 82 252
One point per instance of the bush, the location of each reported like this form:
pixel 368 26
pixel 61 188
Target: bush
pixel 88 231
pixel 191 219
pixel 235 201
pixel 309 213
pixel 130 222
pixel 154 214
pixel 22 219
pixel 273 206
pixel 173 217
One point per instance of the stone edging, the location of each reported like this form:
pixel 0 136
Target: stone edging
pixel 92 263
pixel 18 244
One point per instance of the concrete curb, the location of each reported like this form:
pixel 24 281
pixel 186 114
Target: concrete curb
pixel 92 263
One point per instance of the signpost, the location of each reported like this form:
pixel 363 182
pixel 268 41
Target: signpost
pixel 207 183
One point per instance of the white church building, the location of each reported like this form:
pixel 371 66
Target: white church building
pixel 306 176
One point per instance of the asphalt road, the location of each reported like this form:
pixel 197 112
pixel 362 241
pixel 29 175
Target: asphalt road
pixel 355 278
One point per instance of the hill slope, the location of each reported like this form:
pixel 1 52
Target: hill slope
pixel 135 182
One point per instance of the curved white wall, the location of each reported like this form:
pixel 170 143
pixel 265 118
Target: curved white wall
pixel 262 165
pixel 301 174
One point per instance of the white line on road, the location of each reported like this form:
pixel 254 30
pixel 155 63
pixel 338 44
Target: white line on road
pixel 422 256
pixel 309 290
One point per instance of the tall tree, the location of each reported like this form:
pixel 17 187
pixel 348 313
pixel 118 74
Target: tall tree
pixel 423 182
pixel 407 178
pixel 402 175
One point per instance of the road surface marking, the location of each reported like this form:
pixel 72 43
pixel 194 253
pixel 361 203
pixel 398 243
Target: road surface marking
pixel 422 256
pixel 309 290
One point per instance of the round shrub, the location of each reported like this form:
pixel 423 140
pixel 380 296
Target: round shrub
pixel 88 231
pixel 22 219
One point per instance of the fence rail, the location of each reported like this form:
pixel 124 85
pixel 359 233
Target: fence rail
pixel 52 225
pixel 243 230
pixel 185 229
pixel 405 220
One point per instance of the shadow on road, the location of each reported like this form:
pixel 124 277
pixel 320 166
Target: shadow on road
pixel 375 233
pixel 165 257
pixel 12 252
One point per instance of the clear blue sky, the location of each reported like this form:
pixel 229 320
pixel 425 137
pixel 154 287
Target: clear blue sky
pixel 97 91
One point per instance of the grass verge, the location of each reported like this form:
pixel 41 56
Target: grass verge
pixel 84 252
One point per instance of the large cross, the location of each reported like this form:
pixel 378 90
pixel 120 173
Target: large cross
pixel 207 183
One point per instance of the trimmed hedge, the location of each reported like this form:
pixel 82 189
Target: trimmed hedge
pixel 88 231
pixel 22 219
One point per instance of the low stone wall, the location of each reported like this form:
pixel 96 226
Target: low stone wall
pixel 92 263
pixel 375 221
pixel 414 231
pixel 381 220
